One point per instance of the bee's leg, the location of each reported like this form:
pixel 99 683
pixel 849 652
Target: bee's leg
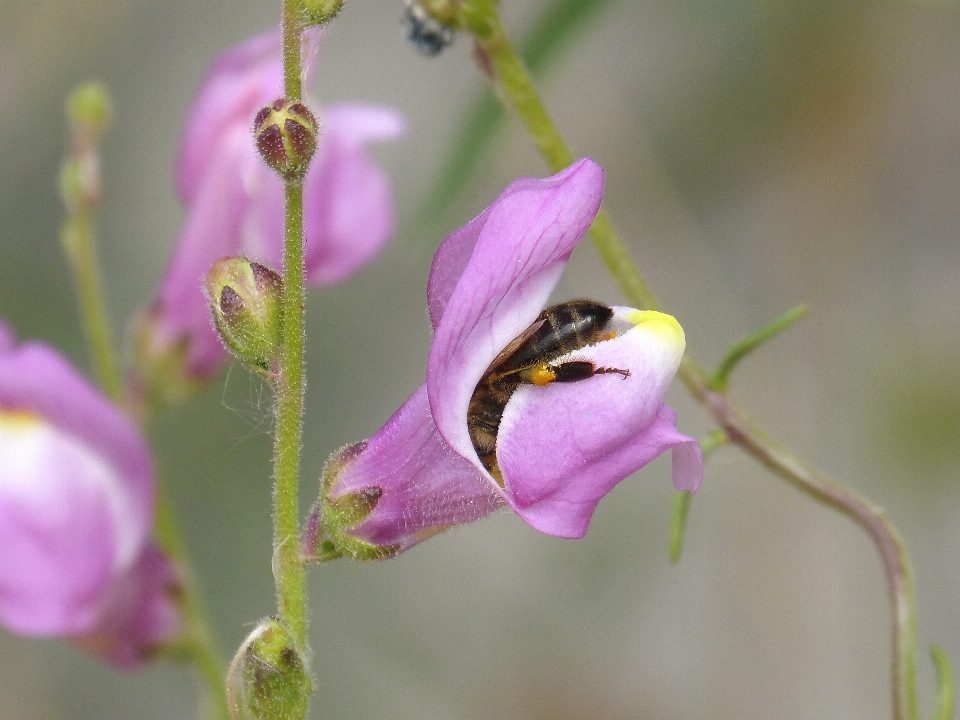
pixel 607 371
pixel 570 371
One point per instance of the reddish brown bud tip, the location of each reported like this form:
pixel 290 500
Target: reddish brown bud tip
pixel 286 135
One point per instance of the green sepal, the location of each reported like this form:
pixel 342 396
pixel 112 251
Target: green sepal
pixel 318 12
pixel 327 535
pixel 275 681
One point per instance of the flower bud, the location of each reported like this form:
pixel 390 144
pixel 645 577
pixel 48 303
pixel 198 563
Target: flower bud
pixel 272 673
pixel 286 135
pixel 318 12
pixel 89 110
pixel 80 182
pixel 247 309
pixel 164 376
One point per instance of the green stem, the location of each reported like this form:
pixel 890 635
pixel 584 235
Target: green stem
pixel 289 571
pixel 197 642
pixel 516 89
pixel 893 554
pixel 78 239
pixel 943 707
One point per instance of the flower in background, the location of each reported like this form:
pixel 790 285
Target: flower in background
pixel 234 202
pixel 76 514
pixel 560 447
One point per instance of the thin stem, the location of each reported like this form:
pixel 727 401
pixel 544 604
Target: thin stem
pixel 292 65
pixel 516 89
pixel 871 518
pixel 197 641
pixel 80 186
pixel 943 708
pixel 289 572
pixel 79 242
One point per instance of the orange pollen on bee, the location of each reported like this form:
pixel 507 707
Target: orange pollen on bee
pixel 542 375
pixel 610 335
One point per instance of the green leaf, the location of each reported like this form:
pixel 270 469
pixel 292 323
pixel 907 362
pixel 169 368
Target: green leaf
pixel 750 343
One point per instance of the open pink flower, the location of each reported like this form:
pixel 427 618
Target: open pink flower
pixel 235 202
pixel 76 513
pixel 560 447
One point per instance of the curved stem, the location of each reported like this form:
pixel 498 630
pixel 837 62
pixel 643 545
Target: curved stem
pixel 872 519
pixel 517 89
pixel 289 573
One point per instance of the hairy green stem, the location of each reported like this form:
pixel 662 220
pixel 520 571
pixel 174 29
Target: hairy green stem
pixel 288 568
pixel 516 89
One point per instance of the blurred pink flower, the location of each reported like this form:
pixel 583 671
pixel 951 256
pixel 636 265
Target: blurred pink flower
pixel 560 447
pixel 76 514
pixel 234 201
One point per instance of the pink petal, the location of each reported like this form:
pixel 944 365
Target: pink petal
pixel 426 486
pixel 67 526
pixel 348 208
pixel 139 613
pixel 562 447
pixel 33 377
pixel 238 84
pixel 212 230
pixel 490 280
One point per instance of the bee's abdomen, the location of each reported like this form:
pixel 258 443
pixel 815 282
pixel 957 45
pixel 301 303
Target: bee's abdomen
pixel 566 327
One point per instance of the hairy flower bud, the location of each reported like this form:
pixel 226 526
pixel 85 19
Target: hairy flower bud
pixel 318 12
pixel 286 135
pixel 272 674
pixel 247 310
pixel 327 532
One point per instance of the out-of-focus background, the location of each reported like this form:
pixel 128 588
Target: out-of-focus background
pixel 758 154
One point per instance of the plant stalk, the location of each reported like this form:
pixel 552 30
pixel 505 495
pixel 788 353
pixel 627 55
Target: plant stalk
pixel 516 89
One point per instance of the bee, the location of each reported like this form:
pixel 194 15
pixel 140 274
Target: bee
pixel 529 359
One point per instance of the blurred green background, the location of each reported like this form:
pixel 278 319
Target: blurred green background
pixel 758 154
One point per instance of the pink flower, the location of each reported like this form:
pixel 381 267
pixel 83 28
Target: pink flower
pixel 235 202
pixel 76 513
pixel 560 447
